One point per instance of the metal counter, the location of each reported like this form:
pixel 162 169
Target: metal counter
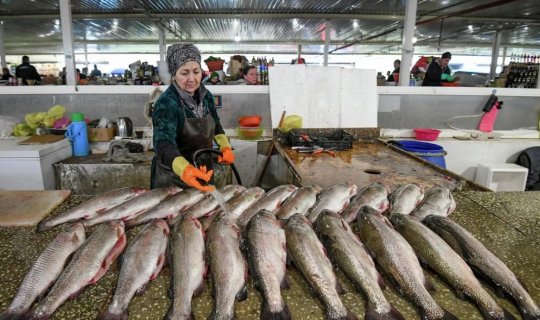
pixel 510 233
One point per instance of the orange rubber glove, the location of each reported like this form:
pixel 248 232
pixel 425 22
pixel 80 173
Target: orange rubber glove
pixel 227 156
pixel 192 174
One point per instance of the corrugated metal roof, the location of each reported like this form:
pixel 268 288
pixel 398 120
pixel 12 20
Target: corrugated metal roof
pixel 32 26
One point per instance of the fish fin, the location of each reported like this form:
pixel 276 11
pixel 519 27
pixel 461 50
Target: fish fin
pixel 159 266
pixel 200 289
pixel 115 252
pixel 429 285
pixel 29 315
pixel 461 295
pixel 499 292
pixel 106 315
pixel 42 226
pixel 528 316
pixel 266 314
pixel 508 316
pixel 170 316
pixel 285 282
pixel 289 261
pixel 339 288
pixel 448 316
pixel 141 290
pixel 74 295
pixel 242 294
pixel 393 314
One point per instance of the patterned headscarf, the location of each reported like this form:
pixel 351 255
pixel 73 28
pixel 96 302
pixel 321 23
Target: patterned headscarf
pixel 180 54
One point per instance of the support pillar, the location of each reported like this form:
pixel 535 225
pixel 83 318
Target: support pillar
pixel 67 39
pixel 407 46
pixel 495 53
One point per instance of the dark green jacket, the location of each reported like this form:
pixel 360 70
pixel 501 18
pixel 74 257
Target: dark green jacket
pixel 168 122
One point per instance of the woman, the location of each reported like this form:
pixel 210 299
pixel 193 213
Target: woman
pixel 249 76
pixel 5 74
pixel 185 120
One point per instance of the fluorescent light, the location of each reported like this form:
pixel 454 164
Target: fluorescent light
pixel 237 38
pixel 414 39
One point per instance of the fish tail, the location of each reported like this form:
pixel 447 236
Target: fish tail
pixel 215 316
pixel 106 315
pixel 29 315
pixel 348 316
pixel 266 314
pixel 9 315
pixel 393 314
pixel 171 315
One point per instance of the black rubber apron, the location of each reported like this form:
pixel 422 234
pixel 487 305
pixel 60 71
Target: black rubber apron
pixel 198 133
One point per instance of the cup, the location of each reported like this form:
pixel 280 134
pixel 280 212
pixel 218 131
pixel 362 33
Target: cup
pixel 139 134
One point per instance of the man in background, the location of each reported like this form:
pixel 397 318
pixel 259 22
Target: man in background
pixel 95 73
pixel 26 71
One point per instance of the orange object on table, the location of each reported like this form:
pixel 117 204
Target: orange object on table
pixel 250 121
pixel 450 84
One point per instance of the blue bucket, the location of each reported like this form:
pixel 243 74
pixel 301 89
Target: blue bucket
pixel 428 151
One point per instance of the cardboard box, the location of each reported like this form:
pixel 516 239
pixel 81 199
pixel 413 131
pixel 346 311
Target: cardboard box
pixel 101 134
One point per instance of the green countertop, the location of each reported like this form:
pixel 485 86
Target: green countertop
pixel 510 233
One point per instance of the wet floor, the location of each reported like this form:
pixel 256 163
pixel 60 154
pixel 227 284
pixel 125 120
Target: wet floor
pixel 479 212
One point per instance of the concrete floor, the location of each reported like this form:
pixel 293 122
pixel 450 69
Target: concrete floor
pixel 507 223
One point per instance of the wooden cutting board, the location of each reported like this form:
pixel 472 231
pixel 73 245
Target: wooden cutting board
pixel 44 139
pixel 27 208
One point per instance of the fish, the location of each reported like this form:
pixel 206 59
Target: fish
pixel 484 263
pixel 375 195
pixel 267 254
pixel 187 260
pixel 269 201
pixel 89 263
pixel 441 258
pixel 92 207
pixel 352 257
pixel 45 270
pixel 335 198
pixel 405 198
pixel 133 207
pixel 208 203
pixel 227 266
pixel 169 208
pixel 239 203
pixel 397 259
pixel 438 200
pixel 311 261
pixel 141 263
pixel 299 202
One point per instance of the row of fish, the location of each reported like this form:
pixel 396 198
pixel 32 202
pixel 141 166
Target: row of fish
pixel 272 225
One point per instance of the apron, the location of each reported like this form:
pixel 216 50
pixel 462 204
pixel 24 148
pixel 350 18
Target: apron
pixel 198 133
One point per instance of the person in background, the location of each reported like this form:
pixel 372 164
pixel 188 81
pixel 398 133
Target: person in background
pixel 212 79
pixel 438 71
pixel 185 120
pixel 95 73
pixel 26 71
pixel 249 76
pixel 397 64
pixel 6 74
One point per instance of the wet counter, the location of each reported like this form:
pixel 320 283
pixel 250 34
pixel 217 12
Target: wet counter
pixel 507 223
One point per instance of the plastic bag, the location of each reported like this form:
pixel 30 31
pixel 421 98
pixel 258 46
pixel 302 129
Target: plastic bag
pixel 7 124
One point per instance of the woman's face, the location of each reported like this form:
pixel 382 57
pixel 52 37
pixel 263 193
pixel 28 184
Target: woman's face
pixel 188 77
pixel 251 76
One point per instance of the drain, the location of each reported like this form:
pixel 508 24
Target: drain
pixel 372 171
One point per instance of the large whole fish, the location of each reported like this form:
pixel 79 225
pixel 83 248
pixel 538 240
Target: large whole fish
pixel 142 262
pixel 227 266
pixel 310 259
pixel 208 203
pixel 88 265
pixel 92 207
pixel 299 202
pixel 188 266
pixel 133 207
pixel 335 198
pixel 375 195
pixel 438 200
pixel 397 258
pixel 239 203
pixel 405 198
pixel 268 257
pixel 270 201
pixel 352 257
pixel 440 257
pixel 169 208
pixel 485 262
pixel 45 270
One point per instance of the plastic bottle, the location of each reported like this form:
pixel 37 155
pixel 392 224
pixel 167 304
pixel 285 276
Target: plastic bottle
pixel 78 135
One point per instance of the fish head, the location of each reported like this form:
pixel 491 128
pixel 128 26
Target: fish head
pixel 382 188
pixel 174 190
pixel 119 226
pixel 139 190
pixel 162 225
pixel 76 231
pixel 298 218
pixel 397 219
pixel 353 188
pixel 316 188
pixel 452 203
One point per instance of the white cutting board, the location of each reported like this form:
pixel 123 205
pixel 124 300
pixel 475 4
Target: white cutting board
pixel 325 97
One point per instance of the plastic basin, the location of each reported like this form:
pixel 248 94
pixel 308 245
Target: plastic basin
pixel 426 134
pixel 250 121
pixel 249 133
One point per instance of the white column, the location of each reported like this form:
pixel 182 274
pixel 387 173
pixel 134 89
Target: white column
pixel 504 56
pixel 326 43
pixel 407 46
pixel 67 38
pixel 495 53
pixel 162 45
pixel 3 63
pixel 86 55
pixel 298 52
pixel 162 63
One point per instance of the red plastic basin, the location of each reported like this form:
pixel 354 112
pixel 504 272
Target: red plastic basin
pixel 426 134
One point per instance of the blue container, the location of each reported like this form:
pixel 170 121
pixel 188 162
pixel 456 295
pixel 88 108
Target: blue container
pixel 428 151
pixel 77 133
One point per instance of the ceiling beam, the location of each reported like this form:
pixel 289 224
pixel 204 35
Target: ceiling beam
pixel 336 16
